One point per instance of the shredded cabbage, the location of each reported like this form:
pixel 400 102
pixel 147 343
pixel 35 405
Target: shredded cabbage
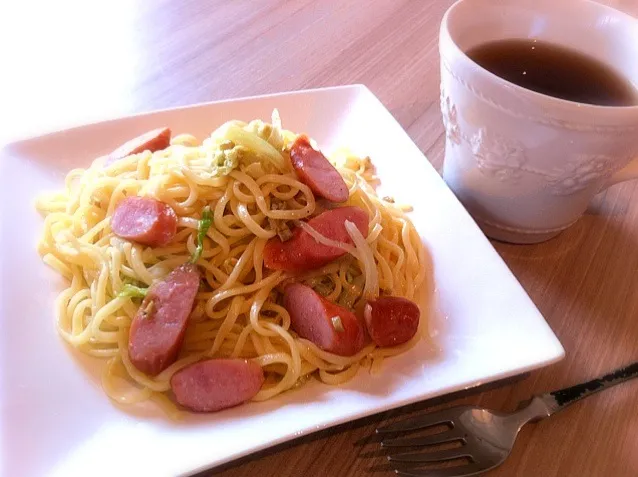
pixel 223 161
pixel 260 140
pixel 276 137
pixel 131 291
pixel 255 145
pixel 202 229
pixel 272 133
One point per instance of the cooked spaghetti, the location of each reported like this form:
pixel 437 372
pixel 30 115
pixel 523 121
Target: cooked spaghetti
pixel 242 173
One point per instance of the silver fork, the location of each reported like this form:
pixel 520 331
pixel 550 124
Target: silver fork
pixel 486 437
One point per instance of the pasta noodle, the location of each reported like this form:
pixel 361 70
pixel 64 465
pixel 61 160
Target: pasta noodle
pixel 243 173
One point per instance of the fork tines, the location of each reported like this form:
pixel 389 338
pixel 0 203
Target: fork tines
pixel 411 463
pixel 444 416
pixel 431 440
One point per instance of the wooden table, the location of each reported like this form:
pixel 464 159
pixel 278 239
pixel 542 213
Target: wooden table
pixel 74 61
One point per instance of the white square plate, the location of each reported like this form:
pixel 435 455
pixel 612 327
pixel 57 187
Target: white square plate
pixel 57 421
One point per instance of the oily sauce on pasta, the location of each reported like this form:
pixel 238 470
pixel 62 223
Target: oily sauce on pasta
pixel 242 177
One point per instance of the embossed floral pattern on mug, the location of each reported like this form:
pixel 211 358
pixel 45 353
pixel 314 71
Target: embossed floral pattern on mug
pixel 450 119
pixel 582 172
pixel 497 156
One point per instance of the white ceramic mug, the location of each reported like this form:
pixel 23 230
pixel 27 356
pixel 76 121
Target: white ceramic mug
pixel 526 165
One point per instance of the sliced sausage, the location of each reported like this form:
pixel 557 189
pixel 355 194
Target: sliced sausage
pixel 154 140
pixel 314 170
pixel 391 320
pixel 216 384
pixel 144 220
pixel 158 328
pixel 302 252
pixel 331 327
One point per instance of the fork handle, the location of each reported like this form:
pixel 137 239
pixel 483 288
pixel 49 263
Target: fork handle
pixel 562 398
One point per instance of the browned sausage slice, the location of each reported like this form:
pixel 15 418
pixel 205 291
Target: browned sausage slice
pixel 302 252
pixel 144 220
pixel 216 384
pixel 157 331
pixel 314 170
pixel 391 320
pixel 331 327
pixel 154 140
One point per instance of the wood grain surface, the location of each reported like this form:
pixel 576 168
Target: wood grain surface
pixel 72 61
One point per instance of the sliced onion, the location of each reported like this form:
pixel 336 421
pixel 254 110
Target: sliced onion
pixel 322 239
pixel 366 257
pixel 361 251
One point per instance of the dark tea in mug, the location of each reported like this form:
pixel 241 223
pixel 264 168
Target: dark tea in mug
pixel 555 71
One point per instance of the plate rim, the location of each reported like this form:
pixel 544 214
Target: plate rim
pixel 110 119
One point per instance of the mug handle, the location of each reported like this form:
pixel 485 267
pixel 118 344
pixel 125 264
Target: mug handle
pixel 629 172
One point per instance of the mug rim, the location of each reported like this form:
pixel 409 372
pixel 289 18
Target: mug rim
pixel 445 28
